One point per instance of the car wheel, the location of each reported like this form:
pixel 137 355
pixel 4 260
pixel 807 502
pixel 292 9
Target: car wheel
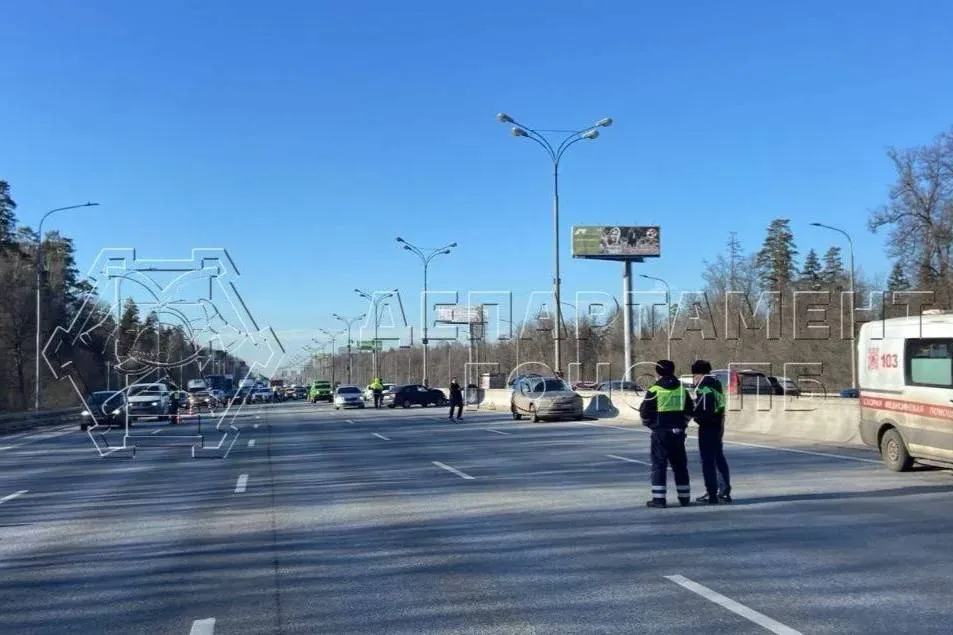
pixel 534 414
pixel 362 406
pixel 83 426
pixel 894 452
pixel 516 416
pixel 407 403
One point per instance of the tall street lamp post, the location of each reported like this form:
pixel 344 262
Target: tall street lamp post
pixel 555 154
pixel 853 344
pixel 668 318
pixel 425 255
pixel 349 322
pixel 333 337
pixel 375 299
pixel 39 285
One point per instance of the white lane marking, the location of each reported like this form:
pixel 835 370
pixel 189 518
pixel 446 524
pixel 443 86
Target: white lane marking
pixel 10 497
pixel 203 627
pixel 157 431
pixel 824 454
pixel 763 447
pixel 348 421
pixel 381 436
pixel 241 484
pixel 622 458
pixel 256 426
pixel 454 470
pixel 735 607
pixel 251 443
pixel 496 431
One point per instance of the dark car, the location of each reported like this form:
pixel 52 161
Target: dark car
pixel 745 382
pixel 105 408
pixel 618 386
pixel 785 386
pixel 300 392
pixel 414 395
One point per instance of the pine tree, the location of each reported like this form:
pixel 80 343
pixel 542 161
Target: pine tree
pixel 898 279
pixel 833 273
pixel 8 219
pixel 128 328
pixel 811 272
pixel 775 260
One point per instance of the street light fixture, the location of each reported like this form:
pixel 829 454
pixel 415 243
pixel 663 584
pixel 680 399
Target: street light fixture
pixel 375 299
pixel 853 343
pixel 668 318
pixel 349 322
pixel 39 284
pixel 555 154
pixel 333 337
pixel 425 255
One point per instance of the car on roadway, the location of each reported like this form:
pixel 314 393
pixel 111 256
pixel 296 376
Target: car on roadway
pixel 348 396
pixel 262 394
pixel 300 392
pixel 545 398
pixel 320 391
pixel 104 408
pixel 149 400
pixel 202 400
pixel 414 395
pixel 785 386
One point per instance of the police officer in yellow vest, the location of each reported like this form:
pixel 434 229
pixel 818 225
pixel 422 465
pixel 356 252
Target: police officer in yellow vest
pixel 710 417
pixel 666 410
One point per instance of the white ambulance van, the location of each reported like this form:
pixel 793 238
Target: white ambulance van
pixel 906 389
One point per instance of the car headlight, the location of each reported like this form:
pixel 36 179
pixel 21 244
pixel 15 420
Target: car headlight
pixel 84 413
pixel 155 403
pixel 117 411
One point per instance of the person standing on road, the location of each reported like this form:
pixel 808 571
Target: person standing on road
pixel 710 417
pixel 456 399
pixel 377 388
pixel 666 410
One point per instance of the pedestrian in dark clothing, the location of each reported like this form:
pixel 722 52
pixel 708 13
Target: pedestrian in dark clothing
pixel 666 410
pixel 710 417
pixel 174 409
pixel 456 399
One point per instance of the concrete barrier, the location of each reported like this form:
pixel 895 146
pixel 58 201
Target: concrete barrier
pixel 27 420
pixel 808 418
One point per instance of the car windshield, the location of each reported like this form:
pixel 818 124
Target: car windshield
pixel 349 390
pixel 143 390
pixel 549 385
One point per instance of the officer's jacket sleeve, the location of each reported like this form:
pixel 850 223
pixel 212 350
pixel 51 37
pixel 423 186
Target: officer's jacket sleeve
pixel 648 409
pixel 689 406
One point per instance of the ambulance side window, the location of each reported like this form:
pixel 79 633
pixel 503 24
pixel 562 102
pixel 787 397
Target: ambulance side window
pixel 929 362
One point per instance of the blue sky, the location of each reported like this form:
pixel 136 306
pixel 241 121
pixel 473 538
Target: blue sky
pixel 304 136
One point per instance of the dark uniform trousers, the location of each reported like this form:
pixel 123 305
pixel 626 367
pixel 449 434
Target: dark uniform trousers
pixel 668 448
pixel 711 449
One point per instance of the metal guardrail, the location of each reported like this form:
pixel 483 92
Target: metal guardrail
pixel 28 420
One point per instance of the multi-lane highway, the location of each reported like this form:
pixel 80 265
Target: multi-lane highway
pixel 381 521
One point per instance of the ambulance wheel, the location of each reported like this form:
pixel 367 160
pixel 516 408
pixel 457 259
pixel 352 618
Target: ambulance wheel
pixel 894 452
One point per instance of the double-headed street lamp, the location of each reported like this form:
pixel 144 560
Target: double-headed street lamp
pixel 668 308
pixel 334 338
pixel 425 255
pixel 39 285
pixel 853 352
pixel 375 299
pixel 555 154
pixel 349 322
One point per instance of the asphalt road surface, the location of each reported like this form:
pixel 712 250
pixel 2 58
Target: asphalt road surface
pixel 384 521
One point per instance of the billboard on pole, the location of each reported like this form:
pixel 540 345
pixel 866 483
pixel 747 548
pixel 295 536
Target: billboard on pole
pixel 616 242
pixel 460 314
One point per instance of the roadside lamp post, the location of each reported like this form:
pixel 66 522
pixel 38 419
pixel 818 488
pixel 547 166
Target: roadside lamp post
pixel 853 343
pixel 425 255
pixel 375 299
pixel 668 318
pixel 555 154
pixel 349 322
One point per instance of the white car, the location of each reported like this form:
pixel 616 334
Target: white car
pixel 369 394
pixel 348 397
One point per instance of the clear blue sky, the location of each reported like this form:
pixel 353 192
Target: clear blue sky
pixel 304 136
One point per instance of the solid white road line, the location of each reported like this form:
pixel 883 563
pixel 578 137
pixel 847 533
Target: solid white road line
pixel 203 627
pixel 251 443
pixel 348 421
pixel 496 431
pixel 381 436
pixel 242 484
pixel 454 470
pixel 622 458
pixel 734 607
pixel 10 497
pixel 157 431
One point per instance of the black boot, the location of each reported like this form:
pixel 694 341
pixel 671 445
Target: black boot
pixel 685 501
pixel 708 499
pixel 656 503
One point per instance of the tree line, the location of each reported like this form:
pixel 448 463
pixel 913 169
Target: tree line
pixel 113 347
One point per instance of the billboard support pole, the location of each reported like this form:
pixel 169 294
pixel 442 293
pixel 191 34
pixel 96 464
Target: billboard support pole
pixel 627 317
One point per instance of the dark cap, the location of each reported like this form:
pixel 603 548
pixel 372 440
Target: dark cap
pixel 665 367
pixel 700 367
